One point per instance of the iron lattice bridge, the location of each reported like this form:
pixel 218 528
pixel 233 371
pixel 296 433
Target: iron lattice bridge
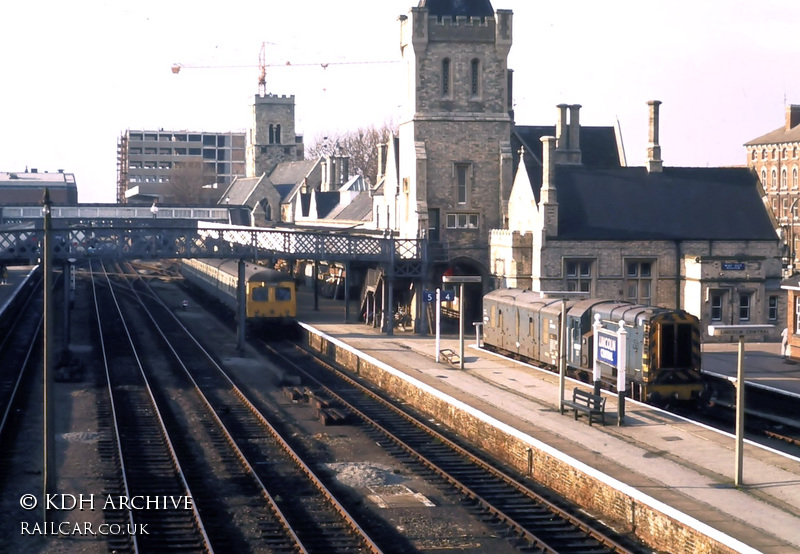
pixel 404 257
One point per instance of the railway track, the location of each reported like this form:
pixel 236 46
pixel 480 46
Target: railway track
pixel 287 504
pixel 139 444
pixel 17 349
pixel 531 520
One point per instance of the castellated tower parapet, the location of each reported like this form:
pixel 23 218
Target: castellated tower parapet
pixel 271 138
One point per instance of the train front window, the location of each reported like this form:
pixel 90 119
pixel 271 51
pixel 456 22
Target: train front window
pixel 683 345
pixel 283 294
pixel 260 294
pixel 676 345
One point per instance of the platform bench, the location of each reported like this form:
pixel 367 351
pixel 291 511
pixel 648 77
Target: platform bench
pixel 588 403
pixel 450 356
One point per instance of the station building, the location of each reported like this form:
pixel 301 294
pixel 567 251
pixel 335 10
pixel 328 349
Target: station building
pixel 27 187
pixel 699 239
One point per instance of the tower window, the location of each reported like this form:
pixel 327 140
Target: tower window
pixel 446 77
pixel 271 133
pixel 463 174
pixel 475 77
pixel 277 134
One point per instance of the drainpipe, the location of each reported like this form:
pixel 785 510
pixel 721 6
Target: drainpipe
pixel 678 251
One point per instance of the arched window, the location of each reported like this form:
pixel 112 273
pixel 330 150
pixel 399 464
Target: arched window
pixel 764 154
pixel 764 178
pixel 774 178
pixel 794 178
pixel 783 178
pixel 271 133
pixel 446 77
pixel 475 77
pixel 774 153
pixel 277 134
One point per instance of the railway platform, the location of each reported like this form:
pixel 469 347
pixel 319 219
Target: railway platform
pixel 684 469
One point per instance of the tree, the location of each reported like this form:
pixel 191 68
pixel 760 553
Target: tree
pixel 360 145
pixel 192 182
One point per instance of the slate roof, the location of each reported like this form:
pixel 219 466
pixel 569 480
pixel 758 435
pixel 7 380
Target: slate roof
pixel 598 149
pixel 238 193
pixel 291 173
pixel 359 208
pixel 778 136
pixel 453 8
pixel 679 204
pixel 326 201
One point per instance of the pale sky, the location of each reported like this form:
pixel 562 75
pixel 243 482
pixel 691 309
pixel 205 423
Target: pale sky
pixel 75 75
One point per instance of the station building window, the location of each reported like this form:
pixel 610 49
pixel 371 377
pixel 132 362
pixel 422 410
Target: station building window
pixel 744 306
pixel 716 305
pixel 578 275
pixel 772 308
pixel 462 221
pixel 638 281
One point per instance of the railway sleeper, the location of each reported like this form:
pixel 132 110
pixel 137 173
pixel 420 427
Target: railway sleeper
pixel 331 416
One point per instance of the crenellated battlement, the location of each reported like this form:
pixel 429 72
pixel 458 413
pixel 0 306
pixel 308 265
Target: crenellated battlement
pixel 460 21
pixel 274 99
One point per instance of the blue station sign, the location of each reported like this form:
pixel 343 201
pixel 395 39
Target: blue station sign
pixel 446 295
pixel 607 347
pixel 733 266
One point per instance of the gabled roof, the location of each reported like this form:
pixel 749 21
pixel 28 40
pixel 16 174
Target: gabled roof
pixel 678 204
pixel 778 136
pixel 291 173
pixel 359 208
pixel 453 8
pixel 239 191
pixel 599 149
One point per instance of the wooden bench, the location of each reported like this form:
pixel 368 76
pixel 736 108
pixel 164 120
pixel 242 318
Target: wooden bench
pixel 450 356
pixel 588 403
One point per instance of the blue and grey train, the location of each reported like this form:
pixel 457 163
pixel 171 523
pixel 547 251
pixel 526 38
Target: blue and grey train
pixel 663 345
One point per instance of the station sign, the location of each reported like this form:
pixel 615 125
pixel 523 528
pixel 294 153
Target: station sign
pixel 733 266
pixel 607 347
pixel 445 295
pixel 740 330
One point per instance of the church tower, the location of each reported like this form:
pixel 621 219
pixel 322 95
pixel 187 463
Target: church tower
pixel 271 138
pixel 455 171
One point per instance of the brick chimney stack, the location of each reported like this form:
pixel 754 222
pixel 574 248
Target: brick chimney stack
pixel 575 134
pixel 548 197
pixel 654 162
pixel 562 141
pixel 792 116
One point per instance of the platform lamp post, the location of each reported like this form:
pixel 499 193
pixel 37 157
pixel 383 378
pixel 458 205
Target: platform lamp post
pixel 741 331
pixel 461 280
pixel 562 337
pixel 48 465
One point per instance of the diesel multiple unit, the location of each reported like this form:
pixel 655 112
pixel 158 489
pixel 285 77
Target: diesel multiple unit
pixel 662 346
pixel 270 293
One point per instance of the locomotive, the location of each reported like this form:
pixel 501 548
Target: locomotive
pixel 663 345
pixel 271 300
